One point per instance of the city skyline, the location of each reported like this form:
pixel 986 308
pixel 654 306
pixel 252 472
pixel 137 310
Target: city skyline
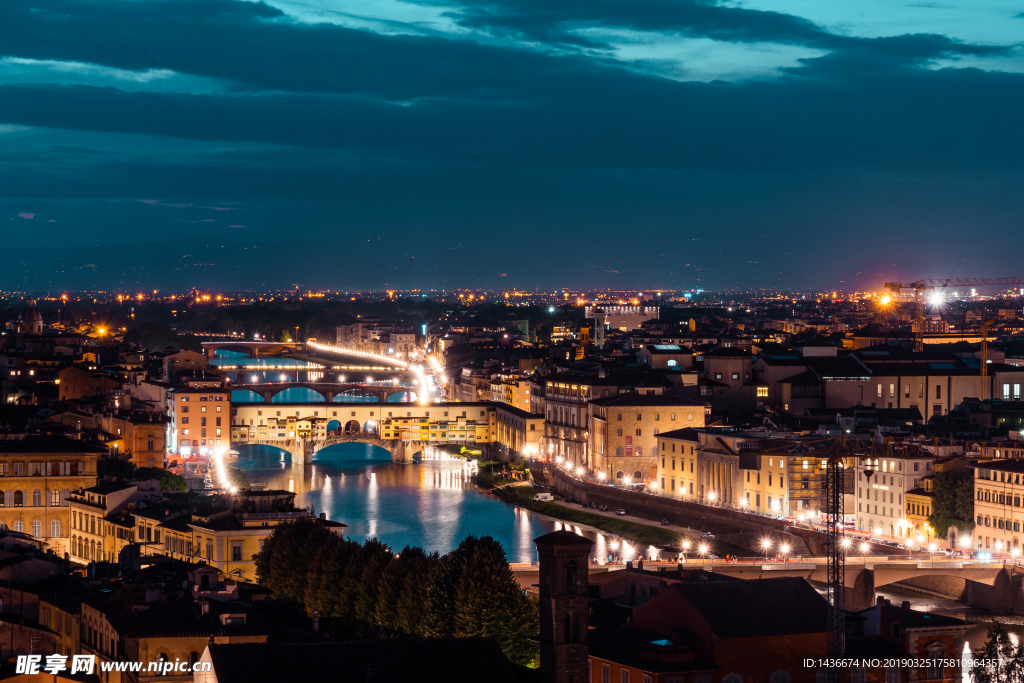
pixel 395 144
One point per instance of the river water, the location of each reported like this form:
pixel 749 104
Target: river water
pixel 433 505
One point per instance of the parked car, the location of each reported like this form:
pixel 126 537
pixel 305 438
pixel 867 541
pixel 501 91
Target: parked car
pixel 620 511
pixel 543 497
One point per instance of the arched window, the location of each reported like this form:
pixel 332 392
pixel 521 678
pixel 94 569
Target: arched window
pixel 779 676
pixel 637 476
pixel 37 498
pixel 18 526
pixel 55 498
pixel 55 529
pixel 37 529
pixel 570 577
pixel 619 475
pixel 19 499
pixel 732 678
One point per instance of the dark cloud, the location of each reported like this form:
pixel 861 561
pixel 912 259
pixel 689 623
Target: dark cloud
pixel 471 156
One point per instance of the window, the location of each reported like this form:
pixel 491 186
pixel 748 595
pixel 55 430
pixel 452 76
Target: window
pixel 938 391
pixel 936 653
pixel 762 392
pixel 638 432
pixel 735 375
pixel 55 529
pixel 37 529
pixel 37 498
pixel 732 678
pixel 623 674
pixel 606 673
pixel 236 552
pixel 19 499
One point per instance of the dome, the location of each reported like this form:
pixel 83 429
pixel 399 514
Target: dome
pixel 30 314
pixel 30 321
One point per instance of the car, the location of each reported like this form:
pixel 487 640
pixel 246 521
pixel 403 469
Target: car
pixel 665 522
pixel 543 497
pixel 708 534
pixel 620 511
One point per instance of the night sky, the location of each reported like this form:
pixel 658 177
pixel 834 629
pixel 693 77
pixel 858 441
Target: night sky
pixel 509 143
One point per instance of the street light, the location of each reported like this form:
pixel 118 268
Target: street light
pixel 864 547
pixel 712 496
pixel 703 550
pixel 932 547
pixel 766 544
pixel 579 471
pixel 686 547
pixel 602 476
pixel 784 549
pixel 846 543
pixel 743 502
pixel 627 481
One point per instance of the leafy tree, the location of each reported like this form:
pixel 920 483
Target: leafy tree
pixel 119 469
pixel 999 648
pixel 953 504
pixel 168 480
pixel 289 547
pixel 411 603
pixel 376 559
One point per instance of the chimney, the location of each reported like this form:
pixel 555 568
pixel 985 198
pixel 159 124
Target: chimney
pixel 905 604
pixel 640 564
pixel 879 601
pixel 629 564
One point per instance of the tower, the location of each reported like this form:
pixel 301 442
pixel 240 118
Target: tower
pixel 564 585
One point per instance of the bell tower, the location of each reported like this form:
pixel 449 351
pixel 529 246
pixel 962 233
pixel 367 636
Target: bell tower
pixel 564 585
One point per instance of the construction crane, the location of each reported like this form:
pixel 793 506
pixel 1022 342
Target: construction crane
pixel 921 286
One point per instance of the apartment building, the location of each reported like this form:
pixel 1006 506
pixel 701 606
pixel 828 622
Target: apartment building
pixel 998 493
pixel 38 474
pixel 99 530
pixel 200 417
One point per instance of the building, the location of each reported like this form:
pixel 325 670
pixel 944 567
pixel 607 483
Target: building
pixel 623 432
pixel 665 356
pixel 881 499
pixel 76 383
pixel 39 473
pixel 200 418
pixel 564 592
pixel 98 527
pixel 567 413
pixel 143 435
pixel 934 640
pixel 620 317
pixel 997 505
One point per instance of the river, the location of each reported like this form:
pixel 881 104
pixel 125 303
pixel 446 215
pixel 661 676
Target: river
pixel 433 505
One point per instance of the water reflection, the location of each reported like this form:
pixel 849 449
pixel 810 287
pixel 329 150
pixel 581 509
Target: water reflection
pixel 433 505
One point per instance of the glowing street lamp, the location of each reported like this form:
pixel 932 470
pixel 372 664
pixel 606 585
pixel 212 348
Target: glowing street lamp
pixel 932 547
pixel 744 502
pixel 579 471
pixel 686 548
pixel 846 543
pixel 766 544
pixel 965 542
pixel 712 496
pixel 864 547
pixel 602 476
pixel 784 549
pixel 1015 553
pixel 627 481
pixel 703 550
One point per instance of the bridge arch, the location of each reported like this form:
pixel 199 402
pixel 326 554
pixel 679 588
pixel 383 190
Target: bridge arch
pixel 333 426
pixel 245 396
pixel 371 427
pixel 352 427
pixel 296 395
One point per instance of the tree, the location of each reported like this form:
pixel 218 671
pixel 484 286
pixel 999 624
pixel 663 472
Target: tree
pixel 376 559
pixel 392 611
pixel 953 504
pixel 1008 658
pixel 169 481
pixel 290 548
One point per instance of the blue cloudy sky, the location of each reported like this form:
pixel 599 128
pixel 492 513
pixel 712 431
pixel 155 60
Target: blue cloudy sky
pixel 651 143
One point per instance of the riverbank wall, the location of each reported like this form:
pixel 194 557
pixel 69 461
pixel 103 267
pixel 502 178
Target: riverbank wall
pixel 744 529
